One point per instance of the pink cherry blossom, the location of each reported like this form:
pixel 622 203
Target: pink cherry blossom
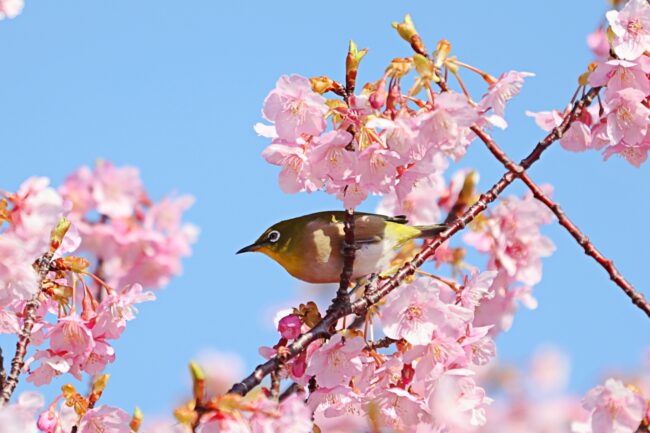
pixel 351 194
pixel 330 159
pixel 295 108
pixel 376 168
pixel 419 205
pixel 51 366
pixel 426 170
pixel 549 369
pixel 458 402
pixel 621 74
pixel 166 215
pixel 547 120
pixel 118 308
pixel 336 361
pixel 402 138
pixel 338 402
pixel 635 155
pixel 615 408
pixel 296 173
pixel 221 370
pixel 598 43
pixel 411 312
pixel 20 416
pixel 72 336
pixel 505 88
pixel 295 416
pixel 447 126
pixel 513 239
pixel 399 409
pixel 101 355
pixel 37 208
pixel 105 419
pixel 18 279
pixel 628 118
pixel 478 288
pixel 116 191
pixel 10 8
pixel 479 346
pixel 499 311
pixel 631 25
pixel 577 138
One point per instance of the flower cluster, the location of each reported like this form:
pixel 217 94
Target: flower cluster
pixel 382 140
pixel 136 240
pixel 121 241
pixel 510 234
pixel 619 124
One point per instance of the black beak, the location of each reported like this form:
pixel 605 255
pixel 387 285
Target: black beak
pixel 248 249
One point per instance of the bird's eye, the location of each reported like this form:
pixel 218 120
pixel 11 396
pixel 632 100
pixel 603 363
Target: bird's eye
pixel 274 236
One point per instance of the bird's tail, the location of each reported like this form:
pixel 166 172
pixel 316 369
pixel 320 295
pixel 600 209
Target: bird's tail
pixel 432 230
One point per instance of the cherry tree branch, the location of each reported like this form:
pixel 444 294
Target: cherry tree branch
pixel 3 373
pixel 590 249
pixel 42 266
pixel 349 252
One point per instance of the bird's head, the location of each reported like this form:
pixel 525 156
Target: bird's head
pixel 275 242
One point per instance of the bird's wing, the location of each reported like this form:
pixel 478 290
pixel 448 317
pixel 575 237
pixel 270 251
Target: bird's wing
pixel 369 228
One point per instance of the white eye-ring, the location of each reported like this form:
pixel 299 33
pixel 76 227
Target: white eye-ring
pixel 273 236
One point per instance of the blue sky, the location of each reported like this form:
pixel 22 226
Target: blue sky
pixel 174 89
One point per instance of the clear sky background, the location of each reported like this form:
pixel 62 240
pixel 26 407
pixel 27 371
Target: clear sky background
pixel 174 89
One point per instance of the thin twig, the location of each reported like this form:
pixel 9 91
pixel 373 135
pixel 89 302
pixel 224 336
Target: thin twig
pixel 3 373
pixel 381 343
pixel 590 249
pixel 29 314
pixel 291 389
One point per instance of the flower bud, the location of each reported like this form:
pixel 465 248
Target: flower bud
pixel 289 327
pixel 406 30
pixel 58 233
pixel 136 420
pixel 352 65
pixel 198 380
pixel 48 420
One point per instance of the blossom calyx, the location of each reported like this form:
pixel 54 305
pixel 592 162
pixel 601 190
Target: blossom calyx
pixel 441 53
pixel 325 84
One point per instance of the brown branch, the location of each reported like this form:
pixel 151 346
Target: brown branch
pixel 590 249
pixel 276 380
pixel 3 373
pixel 349 252
pixel 29 313
pixel 291 389
pixel 381 343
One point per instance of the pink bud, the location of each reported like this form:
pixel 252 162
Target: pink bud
pixel 289 327
pixel 48 421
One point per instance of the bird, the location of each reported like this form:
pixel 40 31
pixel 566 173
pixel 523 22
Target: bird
pixel 310 247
